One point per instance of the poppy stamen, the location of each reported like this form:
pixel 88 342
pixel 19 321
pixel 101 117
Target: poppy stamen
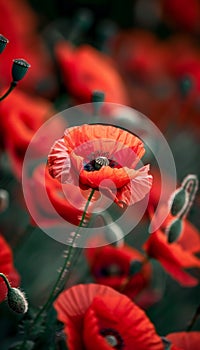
pixel 101 161
pixel 113 338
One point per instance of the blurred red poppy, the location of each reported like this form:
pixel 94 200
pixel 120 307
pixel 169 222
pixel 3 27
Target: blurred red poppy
pixel 94 156
pixel 85 69
pixel 122 268
pixel 173 256
pixel 21 116
pixel 96 315
pixel 185 340
pixel 18 24
pixel 51 200
pixel 7 268
pixel 182 14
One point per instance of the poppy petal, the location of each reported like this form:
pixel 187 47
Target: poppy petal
pixel 185 340
pixel 137 189
pixel 172 258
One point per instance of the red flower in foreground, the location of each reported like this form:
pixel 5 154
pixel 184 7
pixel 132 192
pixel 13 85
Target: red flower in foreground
pixel 85 69
pixel 101 156
pixel 121 268
pixel 185 340
pixel 96 316
pixel 6 267
pixel 21 116
pixel 51 200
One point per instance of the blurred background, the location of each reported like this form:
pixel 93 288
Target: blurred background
pixel 144 54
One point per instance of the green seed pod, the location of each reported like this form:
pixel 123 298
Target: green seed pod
pixel 135 267
pixel 174 230
pixel 98 96
pixel 17 301
pixel 19 69
pixel 3 42
pixel 179 200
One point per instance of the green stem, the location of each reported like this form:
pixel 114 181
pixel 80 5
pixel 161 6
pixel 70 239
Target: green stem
pixel 5 280
pixel 194 319
pixel 12 86
pixel 67 259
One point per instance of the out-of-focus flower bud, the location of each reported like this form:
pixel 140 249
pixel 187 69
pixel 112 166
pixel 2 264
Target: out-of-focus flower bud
pixel 4 200
pixel 17 301
pixel 174 230
pixel 135 267
pixel 19 69
pixel 98 96
pixel 3 42
pixel 179 201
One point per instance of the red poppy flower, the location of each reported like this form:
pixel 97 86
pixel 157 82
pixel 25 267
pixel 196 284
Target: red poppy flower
pixel 185 340
pixel 49 202
pixel 7 267
pixel 85 69
pixel 183 14
pixel 96 315
pixel 21 116
pixel 121 268
pixel 173 256
pixel 100 155
pixel 18 24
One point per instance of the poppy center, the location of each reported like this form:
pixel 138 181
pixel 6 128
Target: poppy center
pixel 113 338
pixel 111 270
pixel 97 163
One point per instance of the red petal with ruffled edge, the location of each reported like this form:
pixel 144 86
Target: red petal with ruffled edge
pixel 185 340
pixel 172 257
pixel 87 309
pixel 116 314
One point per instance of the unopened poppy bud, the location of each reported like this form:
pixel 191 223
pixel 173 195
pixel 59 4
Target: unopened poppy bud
pixel 135 267
pixel 174 230
pixel 19 69
pixel 185 86
pixel 179 201
pixel 17 301
pixel 98 96
pixel 3 42
pixel 4 199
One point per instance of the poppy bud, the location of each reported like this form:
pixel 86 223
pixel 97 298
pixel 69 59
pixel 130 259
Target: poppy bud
pixel 4 199
pixel 3 42
pixel 185 86
pixel 19 69
pixel 98 96
pixel 135 267
pixel 179 200
pixel 174 230
pixel 17 301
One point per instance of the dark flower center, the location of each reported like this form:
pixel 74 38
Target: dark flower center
pixel 97 163
pixel 110 270
pixel 113 338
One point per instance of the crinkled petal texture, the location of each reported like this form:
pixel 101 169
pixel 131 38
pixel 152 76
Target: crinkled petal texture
pixel 70 157
pixel 185 340
pixel 6 267
pixel 173 258
pixel 92 312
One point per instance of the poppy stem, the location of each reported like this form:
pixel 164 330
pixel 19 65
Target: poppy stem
pixel 13 84
pixel 194 319
pixel 6 281
pixel 64 269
